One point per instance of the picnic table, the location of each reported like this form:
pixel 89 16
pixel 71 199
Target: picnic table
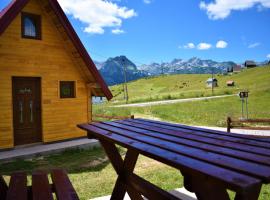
pixel 210 161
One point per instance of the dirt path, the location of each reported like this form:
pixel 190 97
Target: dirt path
pixel 152 103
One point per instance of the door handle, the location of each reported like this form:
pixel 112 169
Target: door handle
pixel 21 111
pixel 31 110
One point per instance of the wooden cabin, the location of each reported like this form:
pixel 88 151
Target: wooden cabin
pixel 250 64
pixel 47 78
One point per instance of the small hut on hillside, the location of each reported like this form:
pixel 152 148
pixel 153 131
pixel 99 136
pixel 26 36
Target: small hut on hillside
pixel 230 83
pixel 237 68
pixel 212 82
pixel 250 64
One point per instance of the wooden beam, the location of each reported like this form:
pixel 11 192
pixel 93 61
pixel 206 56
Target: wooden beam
pixel 93 85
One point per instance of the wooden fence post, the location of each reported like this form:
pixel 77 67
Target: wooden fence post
pixel 229 121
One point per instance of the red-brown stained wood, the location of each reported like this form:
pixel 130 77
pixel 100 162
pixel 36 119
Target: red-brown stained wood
pixel 228 162
pixel 3 188
pixel 193 141
pixel 62 186
pixel 228 178
pixel 17 187
pixel 236 138
pixel 41 189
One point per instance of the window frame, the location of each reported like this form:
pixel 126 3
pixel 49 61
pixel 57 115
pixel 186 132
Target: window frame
pixel 37 20
pixel 74 91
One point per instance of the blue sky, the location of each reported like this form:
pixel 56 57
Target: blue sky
pixel 158 30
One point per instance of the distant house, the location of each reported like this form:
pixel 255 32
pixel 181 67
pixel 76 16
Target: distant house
pixel 237 68
pixel 212 82
pixel 250 64
pixel 230 83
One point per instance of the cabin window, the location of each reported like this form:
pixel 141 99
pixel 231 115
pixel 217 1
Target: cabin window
pixel 67 89
pixel 31 26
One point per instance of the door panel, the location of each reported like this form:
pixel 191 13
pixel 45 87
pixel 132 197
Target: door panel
pixel 26 110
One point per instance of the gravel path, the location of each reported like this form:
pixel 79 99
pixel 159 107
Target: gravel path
pixel 152 103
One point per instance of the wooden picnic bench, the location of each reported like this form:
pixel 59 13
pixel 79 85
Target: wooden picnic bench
pixel 210 161
pixel 245 124
pixel 40 189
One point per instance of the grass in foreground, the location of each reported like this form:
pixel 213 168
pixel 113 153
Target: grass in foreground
pixel 92 174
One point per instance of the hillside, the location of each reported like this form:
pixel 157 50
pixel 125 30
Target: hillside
pixel 206 112
pixel 192 85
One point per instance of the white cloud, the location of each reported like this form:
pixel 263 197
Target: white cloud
pixel 147 1
pixel 189 46
pixel 97 14
pixel 268 56
pixel 221 44
pixel 220 9
pixel 204 46
pixel 117 31
pixel 253 45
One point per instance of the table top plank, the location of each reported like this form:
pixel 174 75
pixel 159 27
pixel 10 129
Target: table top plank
pixel 41 189
pixel 231 179
pixel 248 168
pixel 178 138
pixel 200 142
pixel 209 134
pixel 206 130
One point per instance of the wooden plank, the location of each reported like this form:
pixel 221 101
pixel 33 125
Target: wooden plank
pixel 165 134
pixel 237 138
pixel 149 190
pixel 41 189
pixel 62 186
pixel 122 168
pixel 3 188
pixel 197 142
pixel 17 187
pixel 113 117
pixel 229 178
pixel 210 140
pixel 249 168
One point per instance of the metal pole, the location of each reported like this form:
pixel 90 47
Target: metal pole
pixel 247 107
pixel 125 77
pixel 242 108
pixel 212 81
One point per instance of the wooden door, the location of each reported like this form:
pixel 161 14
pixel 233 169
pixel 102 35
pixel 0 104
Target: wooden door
pixel 26 110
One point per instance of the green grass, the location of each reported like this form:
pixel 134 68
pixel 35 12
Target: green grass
pixel 207 112
pixel 190 85
pixel 92 174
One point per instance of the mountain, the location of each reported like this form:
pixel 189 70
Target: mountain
pixel 191 66
pixel 113 71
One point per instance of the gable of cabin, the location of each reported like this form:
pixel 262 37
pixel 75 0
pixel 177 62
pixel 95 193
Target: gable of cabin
pixel 50 59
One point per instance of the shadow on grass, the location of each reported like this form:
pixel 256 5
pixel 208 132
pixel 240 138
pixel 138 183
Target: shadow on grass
pixel 73 161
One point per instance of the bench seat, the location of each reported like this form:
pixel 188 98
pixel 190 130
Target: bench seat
pixel 40 189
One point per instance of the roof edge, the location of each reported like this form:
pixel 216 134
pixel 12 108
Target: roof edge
pixel 8 14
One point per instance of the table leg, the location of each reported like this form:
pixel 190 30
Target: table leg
pixel 204 188
pixel 123 169
pixel 251 194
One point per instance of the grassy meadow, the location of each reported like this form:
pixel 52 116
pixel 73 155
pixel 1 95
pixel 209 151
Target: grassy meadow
pixel 206 112
pixel 191 85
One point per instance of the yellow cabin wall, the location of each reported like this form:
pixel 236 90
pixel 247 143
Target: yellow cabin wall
pixel 48 59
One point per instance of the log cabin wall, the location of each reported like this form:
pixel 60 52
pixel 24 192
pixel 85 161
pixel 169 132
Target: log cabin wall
pixel 48 59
